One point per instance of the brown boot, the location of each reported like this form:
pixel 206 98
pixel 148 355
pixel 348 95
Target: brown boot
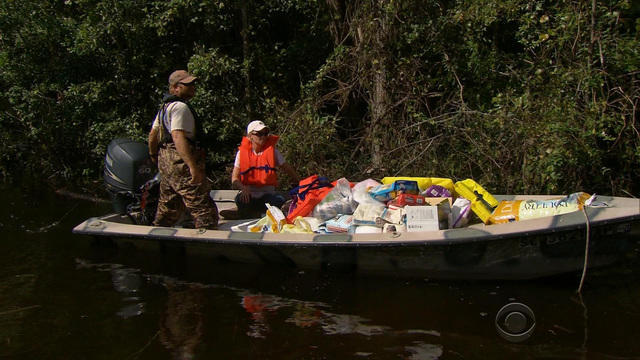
pixel 230 214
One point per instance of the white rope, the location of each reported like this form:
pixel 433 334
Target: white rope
pixel 586 250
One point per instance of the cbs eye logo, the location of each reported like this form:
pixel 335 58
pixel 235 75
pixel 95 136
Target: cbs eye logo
pixel 515 322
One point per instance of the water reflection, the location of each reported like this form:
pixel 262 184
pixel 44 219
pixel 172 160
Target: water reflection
pixel 198 308
pixel 257 307
pixel 414 320
pixel 182 322
pixel 302 314
pixel 127 282
pixel 266 309
pixel 423 351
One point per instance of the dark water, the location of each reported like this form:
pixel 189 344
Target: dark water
pixel 62 298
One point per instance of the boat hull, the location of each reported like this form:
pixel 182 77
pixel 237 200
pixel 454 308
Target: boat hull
pixel 521 250
pixel 501 259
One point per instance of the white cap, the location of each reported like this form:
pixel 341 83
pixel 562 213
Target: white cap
pixel 255 125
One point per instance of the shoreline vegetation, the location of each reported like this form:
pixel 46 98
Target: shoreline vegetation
pixel 522 96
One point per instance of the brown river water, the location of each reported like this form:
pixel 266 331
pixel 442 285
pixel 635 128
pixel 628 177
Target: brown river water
pixel 64 297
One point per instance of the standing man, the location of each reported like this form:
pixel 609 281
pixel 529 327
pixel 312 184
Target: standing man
pixel 173 144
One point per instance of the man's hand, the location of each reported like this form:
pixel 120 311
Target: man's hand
pixel 184 150
pixel 245 194
pixel 197 175
pixel 153 144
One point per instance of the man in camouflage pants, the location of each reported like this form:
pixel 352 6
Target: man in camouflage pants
pixel 173 144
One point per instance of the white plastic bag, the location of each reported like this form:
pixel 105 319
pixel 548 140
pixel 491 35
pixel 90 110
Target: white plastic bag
pixel 366 214
pixel 338 201
pixel 459 215
pixel 361 193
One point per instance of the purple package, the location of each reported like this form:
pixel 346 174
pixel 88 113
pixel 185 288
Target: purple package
pixel 436 191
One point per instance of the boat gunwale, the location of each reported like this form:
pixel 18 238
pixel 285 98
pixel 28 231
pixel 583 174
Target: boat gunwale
pixel 323 240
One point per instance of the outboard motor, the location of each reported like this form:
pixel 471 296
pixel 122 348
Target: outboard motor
pixel 131 180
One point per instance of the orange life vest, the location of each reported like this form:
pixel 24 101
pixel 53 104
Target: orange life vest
pixel 307 195
pixel 258 169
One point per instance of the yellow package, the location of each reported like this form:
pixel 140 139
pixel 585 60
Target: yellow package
pixel 482 202
pixel 423 182
pixel 516 210
pixel 273 221
pixel 263 225
pixel 276 217
pixel 300 225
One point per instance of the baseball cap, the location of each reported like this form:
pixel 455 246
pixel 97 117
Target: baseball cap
pixel 181 76
pixel 255 125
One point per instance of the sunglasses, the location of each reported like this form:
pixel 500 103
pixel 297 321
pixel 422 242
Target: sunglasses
pixel 261 133
pixel 187 84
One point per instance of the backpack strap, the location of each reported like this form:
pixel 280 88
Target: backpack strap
pixel 301 190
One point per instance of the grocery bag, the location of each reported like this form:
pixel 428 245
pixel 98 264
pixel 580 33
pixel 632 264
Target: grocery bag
pixel 337 201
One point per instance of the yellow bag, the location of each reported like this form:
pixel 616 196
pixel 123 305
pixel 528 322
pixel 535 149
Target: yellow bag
pixel 273 221
pixel 423 182
pixel 300 225
pixel 530 209
pixel 263 225
pixel 482 202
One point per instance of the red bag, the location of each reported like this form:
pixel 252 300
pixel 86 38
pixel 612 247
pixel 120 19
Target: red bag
pixel 307 195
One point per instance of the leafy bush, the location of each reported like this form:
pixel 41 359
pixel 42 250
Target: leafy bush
pixel 523 96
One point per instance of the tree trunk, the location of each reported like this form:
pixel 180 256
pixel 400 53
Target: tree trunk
pixel 379 121
pixel 337 26
pixel 244 33
pixel 379 102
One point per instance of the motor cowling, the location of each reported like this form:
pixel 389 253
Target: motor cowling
pixel 127 168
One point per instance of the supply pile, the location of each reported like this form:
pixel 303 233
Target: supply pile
pixel 400 204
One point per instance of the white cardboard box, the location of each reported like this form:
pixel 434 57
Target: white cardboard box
pixel 422 218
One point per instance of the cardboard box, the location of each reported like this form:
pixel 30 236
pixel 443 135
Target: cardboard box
pixel 407 199
pixel 341 223
pixel 386 192
pixel 444 209
pixel 437 200
pixel 394 228
pixel 422 218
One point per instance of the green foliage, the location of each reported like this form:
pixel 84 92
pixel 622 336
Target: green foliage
pixel 219 105
pixel 523 96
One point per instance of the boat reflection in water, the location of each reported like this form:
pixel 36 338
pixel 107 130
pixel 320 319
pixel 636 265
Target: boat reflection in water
pixel 270 314
pixel 194 312
pixel 127 282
